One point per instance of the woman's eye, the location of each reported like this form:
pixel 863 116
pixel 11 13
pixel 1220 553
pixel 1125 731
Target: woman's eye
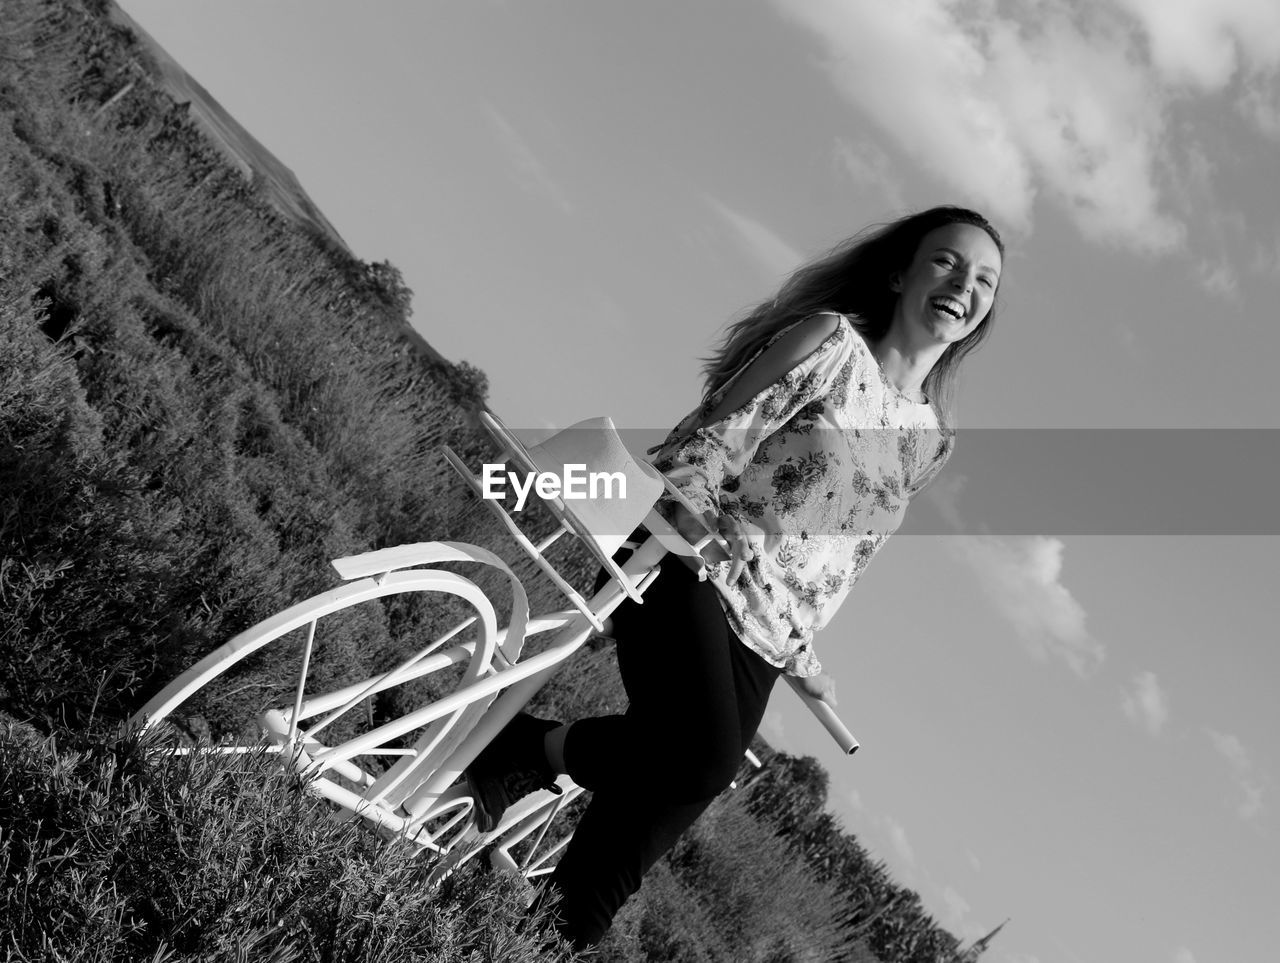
pixel 987 281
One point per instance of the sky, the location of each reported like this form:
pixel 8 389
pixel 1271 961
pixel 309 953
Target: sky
pixel 1066 714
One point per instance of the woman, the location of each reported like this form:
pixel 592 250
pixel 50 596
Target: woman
pixel 826 409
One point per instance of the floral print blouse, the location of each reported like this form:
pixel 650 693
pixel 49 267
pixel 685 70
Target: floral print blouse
pixel 818 468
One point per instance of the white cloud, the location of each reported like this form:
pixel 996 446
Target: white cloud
pixel 1219 279
pixel 1203 43
pixel 1260 103
pixel 1146 704
pixel 1244 772
pixel 872 171
pixel 1003 111
pixel 1090 123
pixel 1022 578
pixel 901 845
pixel 974 861
pixel 917 51
pixel 531 173
pixel 1183 955
pixel 774 256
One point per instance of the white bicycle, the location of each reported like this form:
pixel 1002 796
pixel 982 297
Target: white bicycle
pixel 402 773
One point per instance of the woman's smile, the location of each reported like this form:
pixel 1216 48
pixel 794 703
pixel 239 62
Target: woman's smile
pixel 950 284
pixel 949 307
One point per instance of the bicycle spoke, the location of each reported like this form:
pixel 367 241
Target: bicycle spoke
pixel 546 824
pixel 302 681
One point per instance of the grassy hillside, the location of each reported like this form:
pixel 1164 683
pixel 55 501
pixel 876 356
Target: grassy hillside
pixel 224 132
pixel 203 399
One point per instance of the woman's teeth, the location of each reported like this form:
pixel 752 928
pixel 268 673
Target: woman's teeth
pixel 948 307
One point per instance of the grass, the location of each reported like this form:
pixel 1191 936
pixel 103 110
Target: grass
pixel 110 850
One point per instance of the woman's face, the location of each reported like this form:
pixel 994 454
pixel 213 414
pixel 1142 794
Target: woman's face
pixel 950 284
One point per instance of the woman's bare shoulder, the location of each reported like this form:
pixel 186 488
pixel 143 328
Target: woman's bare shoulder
pixel 799 342
pixel 805 337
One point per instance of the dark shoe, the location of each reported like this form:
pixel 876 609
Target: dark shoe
pixel 509 768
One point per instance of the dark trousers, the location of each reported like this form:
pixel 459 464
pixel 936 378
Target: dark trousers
pixel 697 695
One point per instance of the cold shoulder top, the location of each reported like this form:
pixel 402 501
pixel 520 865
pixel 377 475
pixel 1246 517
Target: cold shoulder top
pixel 819 468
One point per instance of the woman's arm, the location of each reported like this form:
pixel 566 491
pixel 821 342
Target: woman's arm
pixel 791 357
pixel 779 382
pixel 775 362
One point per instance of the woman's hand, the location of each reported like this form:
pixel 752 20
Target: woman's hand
pixel 733 532
pixel 820 686
pixel 694 529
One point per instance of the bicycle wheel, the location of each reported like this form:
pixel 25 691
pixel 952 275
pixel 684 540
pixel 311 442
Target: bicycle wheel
pixel 332 732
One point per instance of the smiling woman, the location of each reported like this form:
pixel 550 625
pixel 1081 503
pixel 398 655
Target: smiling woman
pixel 820 421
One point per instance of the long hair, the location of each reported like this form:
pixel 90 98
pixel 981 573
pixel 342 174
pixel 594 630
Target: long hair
pixel 853 279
